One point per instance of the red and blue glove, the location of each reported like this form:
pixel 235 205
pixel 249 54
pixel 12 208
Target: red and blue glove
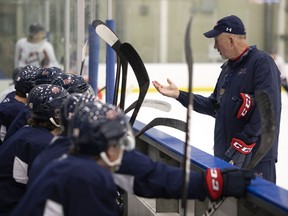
pixel 227 182
pixel 244 106
pixel 239 152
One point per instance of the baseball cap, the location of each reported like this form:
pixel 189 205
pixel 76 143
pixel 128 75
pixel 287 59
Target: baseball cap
pixel 35 28
pixel 229 24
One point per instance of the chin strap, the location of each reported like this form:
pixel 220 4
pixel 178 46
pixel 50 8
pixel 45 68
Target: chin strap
pixel 54 123
pixel 113 164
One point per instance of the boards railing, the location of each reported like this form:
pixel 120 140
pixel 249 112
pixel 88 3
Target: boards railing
pixel 263 197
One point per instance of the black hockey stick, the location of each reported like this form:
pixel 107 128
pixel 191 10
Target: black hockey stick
pixel 186 159
pixel 167 122
pixel 124 83
pixel 112 40
pixel 126 53
pixel 267 118
pixel 83 54
pixel 141 74
pixel 140 71
pixel 117 80
pixel 153 103
pixel 267 127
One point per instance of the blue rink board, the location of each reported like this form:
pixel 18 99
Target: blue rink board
pixel 263 190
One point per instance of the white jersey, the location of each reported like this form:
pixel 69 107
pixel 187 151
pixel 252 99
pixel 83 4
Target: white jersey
pixel 39 54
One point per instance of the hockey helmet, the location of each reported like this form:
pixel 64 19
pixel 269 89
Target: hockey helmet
pixel 69 105
pixel 47 75
pixel 96 125
pixel 71 82
pixel 25 78
pixel 45 100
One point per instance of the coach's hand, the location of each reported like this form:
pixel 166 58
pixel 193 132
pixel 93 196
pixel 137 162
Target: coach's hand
pixel 239 152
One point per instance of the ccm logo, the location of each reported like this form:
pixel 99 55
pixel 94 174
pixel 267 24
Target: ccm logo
pixel 214 178
pixel 247 105
pixel 242 147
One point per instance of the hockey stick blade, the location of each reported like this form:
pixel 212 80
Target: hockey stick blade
pixel 167 122
pixel 106 34
pixel 267 118
pixel 156 104
pixel 110 37
pixel 141 74
pixel 186 159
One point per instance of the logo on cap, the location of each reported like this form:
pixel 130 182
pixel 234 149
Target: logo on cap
pixel 228 29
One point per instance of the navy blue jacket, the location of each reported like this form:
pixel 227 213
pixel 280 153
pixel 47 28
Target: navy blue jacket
pixel 16 157
pixel 20 120
pixel 73 186
pixel 9 109
pixel 140 175
pixel 58 146
pixel 254 71
pixel 151 179
pixel 80 187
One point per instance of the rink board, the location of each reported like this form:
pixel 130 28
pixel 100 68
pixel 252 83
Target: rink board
pixel 263 198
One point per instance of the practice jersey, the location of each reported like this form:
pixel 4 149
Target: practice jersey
pixel 58 146
pixel 20 120
pixel 139 175
pixel 9 109
pixel 70 186
pixel 9 92
pixel 16 156
pixel 39 54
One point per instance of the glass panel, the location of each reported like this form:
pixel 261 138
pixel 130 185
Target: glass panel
pixel 154 27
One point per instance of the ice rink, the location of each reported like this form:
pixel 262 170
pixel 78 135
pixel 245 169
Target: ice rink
pixel 202 127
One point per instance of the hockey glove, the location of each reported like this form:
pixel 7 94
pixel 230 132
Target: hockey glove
pixel 239 152
pixel 244 106
pixel 227 182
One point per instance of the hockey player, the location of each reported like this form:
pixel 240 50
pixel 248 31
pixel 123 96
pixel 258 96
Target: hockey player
pixel 11 106
pixel 60 144
pixel 19 151
pixel 43 76
pixel 100 133
pixel 35 49
pixel 101 138
pixel 237 133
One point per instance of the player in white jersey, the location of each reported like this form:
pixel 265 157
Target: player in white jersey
pixel 35 49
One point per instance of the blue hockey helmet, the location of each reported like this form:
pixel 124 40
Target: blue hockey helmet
pixel 72 83
pixel 96 125
pixel 70 104
pixel 45 100
pixel 63 80
pixel 25 78
pixel 47 75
